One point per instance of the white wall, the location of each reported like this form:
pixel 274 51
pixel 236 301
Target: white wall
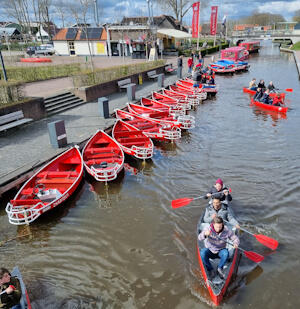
pixel 61 47
pixel 98 48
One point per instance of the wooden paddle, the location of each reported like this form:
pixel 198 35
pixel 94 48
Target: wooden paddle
pixel 186 200
pixel 253 256
pixel 265 240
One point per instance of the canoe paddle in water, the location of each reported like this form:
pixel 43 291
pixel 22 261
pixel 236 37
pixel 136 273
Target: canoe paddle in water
pixel 253 256
pixel 265 240
pixel 186 200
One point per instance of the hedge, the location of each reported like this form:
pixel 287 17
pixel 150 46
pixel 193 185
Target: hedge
pixel 11 91
pixel 89 78
pixel 33 74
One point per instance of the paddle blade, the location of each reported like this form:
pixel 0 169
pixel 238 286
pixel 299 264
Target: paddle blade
pixel 181 202
pixel 255 257
pixel 289 89
pixel 252 102
pixel 229 190
pixel 267 241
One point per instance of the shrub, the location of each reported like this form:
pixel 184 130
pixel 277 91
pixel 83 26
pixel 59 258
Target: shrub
pixel 11 91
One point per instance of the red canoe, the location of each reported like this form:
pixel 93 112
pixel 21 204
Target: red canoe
pixel 24 302
pixel 282 94
pixel 102 157
pixel 154 130
pixel 181 96
pixel 197 94
pixel 132 140
pixel 173 110
pixel 279 109
pixel 48 188
pixel 183 122
pixel 188 84
pixel 158 96
pixel 35 60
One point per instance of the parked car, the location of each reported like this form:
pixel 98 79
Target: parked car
pixel 40 50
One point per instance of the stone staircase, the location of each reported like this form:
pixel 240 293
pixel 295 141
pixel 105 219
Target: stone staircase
pixel 61 102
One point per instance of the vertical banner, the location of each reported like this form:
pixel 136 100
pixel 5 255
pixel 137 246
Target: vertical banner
pixel 213 20
pixel 195 21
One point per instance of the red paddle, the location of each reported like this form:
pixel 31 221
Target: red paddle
pixel 289 89
pixel 186 200
pixel 265 240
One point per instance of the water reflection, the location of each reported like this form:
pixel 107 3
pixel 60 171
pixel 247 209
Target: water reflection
pixel 276 117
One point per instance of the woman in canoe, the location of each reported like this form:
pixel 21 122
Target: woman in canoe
pixel 253 85
pixel 11 288
pixel 261 85
pixel 277 101
pixel 218 187
pixel 215 247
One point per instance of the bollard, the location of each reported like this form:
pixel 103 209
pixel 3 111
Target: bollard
pixel 161 80
pixel 179 72
pixel 57 133
pixel 131 92
pixel 103 107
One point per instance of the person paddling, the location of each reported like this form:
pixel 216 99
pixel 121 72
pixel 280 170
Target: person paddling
pixel 277 101
pixel 218 187
pixel 12 290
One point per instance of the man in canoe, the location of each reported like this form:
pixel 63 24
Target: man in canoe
pixel 219 188
pixel 11 289
pixel 215 247
pixel 258 94
pixel 217 209
pixel 272 88
pixel 266 97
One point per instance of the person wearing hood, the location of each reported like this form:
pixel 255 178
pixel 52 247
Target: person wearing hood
pixel 221 189
pixel 215 247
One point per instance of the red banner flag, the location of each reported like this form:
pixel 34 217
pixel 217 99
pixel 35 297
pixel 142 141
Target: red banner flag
pixel 127 40
pixel 213 20
pixel 195 21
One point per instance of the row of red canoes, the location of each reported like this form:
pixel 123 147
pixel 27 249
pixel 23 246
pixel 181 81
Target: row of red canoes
pixel 274 108
pixel 161 117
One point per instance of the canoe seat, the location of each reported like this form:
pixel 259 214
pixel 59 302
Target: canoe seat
pixel 25 202
pixel 46 181
pixel 102 156
pixel 102 150
pixel 99 161
pixel 134 144
pixel 57 174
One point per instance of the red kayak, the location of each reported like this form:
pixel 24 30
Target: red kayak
pixel 279 109
pixel 161 132
pixel 102 156
pixel 282 94
pixel 132 140
pixel 183 122
pixel 48 188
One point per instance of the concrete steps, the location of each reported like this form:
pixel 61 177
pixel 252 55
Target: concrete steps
pixel 61 102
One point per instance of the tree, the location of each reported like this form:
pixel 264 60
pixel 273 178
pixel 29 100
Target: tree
pixel 262 19
pixel 296 17
pixel 179 7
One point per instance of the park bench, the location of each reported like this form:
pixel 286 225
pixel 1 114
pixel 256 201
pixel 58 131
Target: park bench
pixel 129 86
pixel 12 120
pixel 169 68
pixel 124 83
pixel 152 74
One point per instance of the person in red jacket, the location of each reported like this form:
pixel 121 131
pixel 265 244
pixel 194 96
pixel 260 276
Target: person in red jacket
pixel 190 64
pixel 277 101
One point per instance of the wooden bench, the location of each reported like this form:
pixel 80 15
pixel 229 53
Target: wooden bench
pixel 152 74
pixel 124 83
pixel 169 68
pixel 12 120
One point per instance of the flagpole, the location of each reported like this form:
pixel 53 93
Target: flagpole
pixel 198 26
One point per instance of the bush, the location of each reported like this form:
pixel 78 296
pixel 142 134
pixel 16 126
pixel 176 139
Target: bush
pixel 32 74
pixel 11 91
pixel 89 78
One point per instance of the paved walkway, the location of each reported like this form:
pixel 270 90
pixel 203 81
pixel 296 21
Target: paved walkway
pixel 28 147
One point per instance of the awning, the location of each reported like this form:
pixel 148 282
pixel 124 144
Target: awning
pixel 175 33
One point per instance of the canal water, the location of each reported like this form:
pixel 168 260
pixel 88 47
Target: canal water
pixel 123 246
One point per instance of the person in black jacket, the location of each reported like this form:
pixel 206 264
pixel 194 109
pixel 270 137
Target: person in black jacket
pixel 272 88
pixel 258 94
pixel 223 192
pixel 261 85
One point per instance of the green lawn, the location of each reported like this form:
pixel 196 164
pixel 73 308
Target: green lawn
pixel 296 46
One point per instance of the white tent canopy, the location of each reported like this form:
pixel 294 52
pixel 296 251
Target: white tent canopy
pixel 175 33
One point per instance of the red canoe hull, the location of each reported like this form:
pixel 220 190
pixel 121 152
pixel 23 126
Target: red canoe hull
pixel 279 109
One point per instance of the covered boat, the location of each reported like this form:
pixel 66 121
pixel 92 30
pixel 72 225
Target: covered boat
pixel 235 53
pixel 279 109
pixel 132 140
pixel 251 47
pixel 158 131
pixel 24 302
pixel 48 188
pixel 217 287
pixel 102 157
pixel 183 122
pixel 272 95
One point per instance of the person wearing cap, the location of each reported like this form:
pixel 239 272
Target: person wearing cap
pixel 11 285
pixel 215 247
pixel 218 187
